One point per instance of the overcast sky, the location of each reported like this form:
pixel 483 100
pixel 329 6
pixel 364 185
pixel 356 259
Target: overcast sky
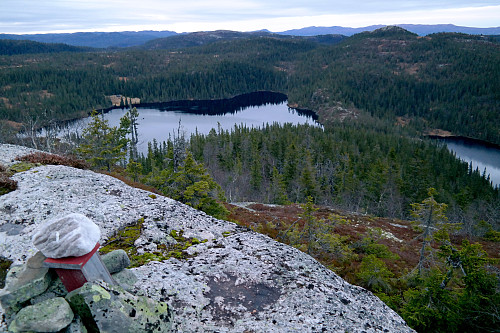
pixel 43 16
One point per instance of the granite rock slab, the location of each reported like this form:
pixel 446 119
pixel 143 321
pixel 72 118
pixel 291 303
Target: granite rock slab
pixel 236 281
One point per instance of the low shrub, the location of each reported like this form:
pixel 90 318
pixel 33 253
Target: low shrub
pixel 46 158
pixel 6 184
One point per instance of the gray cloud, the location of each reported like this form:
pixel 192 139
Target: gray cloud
pixel 18 16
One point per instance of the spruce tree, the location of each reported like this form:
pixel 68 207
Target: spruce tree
pixel 429 218
pixel 102 145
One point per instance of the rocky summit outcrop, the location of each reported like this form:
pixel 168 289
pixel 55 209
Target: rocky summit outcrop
pixel 235 281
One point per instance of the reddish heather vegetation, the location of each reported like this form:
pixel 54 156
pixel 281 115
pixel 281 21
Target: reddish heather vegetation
pixel 6 184
pixel 46 158
pixel 397 235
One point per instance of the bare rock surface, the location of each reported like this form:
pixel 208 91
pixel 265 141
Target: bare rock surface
pixel 47 192
pixel 250 283
pixel 236 281
pixel 10 152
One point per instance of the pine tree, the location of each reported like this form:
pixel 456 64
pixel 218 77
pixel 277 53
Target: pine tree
pixel 277 189
pixel 374 274
pixel 134 169
pixel 133 115
pixel 308 184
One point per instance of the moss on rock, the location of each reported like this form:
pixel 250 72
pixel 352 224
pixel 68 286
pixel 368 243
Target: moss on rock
pixel 23 166
pixel 125 240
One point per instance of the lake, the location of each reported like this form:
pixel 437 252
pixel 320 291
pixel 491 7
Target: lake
pixel 161 120
pixel 481 155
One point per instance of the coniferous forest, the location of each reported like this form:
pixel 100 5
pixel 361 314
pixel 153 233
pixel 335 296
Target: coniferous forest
pixel 377 94
pixel 447 81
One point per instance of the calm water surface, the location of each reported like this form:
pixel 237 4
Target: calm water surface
pixel 157 124
pixel 481 156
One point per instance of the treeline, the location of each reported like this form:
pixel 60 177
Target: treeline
pixel 12 47
pixel 70 86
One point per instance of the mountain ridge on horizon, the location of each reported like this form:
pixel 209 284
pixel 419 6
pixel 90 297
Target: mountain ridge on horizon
pixel 419 29
pixel 123 39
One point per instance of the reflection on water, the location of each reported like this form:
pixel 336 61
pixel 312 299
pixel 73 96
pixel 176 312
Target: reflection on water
pixel 480 155
pixel 163 121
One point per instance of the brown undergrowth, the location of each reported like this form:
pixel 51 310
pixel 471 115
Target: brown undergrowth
pixel 397 235
pixel 6 183
pixel 46 158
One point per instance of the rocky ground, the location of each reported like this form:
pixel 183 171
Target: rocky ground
pixel 235 281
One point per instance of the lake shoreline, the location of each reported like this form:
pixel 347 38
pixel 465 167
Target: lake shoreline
pixel 218 106
pixel 159 121
pixel 465 139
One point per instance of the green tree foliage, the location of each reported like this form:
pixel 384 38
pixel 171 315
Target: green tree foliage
pixel 373 274
pixel 313 235
pixel 461 297
pixel 348 165
pixel 101 145
pixel 277 189
pixel 134 169
pixel 133 115
pixel 450 80
pixel 431 308
pixel 447 81
pixel 186 181
pixel 429 219
pixel 370 245
pixel 192 185
pixel 12 47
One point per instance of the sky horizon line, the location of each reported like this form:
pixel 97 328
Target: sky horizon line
pixel 69 16
pixel 263 29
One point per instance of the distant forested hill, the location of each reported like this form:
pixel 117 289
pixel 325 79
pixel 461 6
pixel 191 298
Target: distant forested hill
pixel 448 81
pixel 11 47
pixel 420 29
pixel 136 38
pixel 208 37
pixel 95 39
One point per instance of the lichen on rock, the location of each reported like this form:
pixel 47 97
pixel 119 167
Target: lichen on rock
pixel 106 308
pixel 51 315
pixel 25 282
